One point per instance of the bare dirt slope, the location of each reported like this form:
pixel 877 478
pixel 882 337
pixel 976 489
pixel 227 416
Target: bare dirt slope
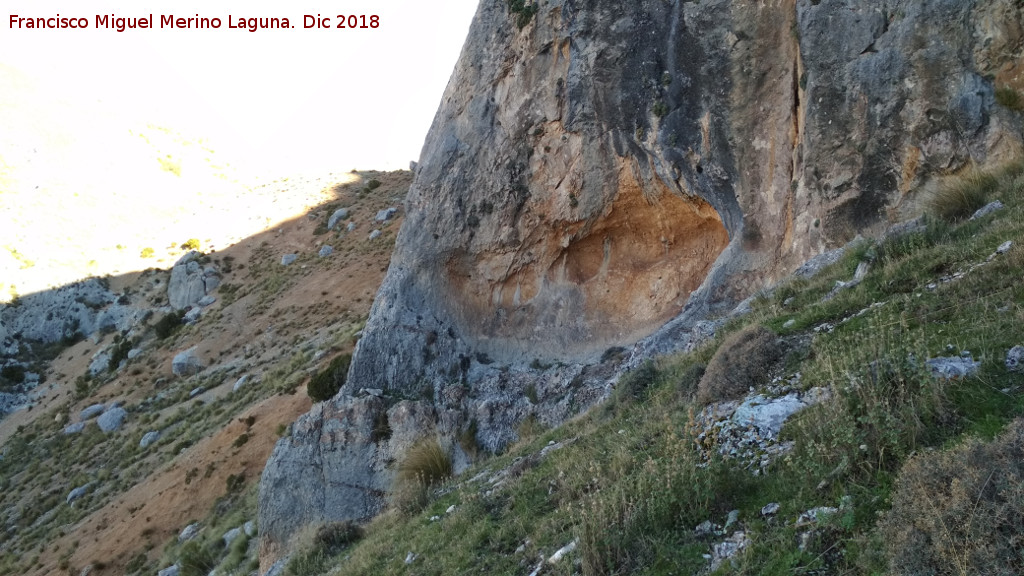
pixel 272 324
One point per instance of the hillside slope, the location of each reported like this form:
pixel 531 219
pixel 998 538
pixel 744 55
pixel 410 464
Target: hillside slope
pixel 269 327
pixel 875 441
pixel 603 176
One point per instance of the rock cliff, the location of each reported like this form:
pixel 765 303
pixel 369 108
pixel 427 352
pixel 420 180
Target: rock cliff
pixel 600 170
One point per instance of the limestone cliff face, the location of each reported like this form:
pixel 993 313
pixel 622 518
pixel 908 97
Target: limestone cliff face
pixel 612 166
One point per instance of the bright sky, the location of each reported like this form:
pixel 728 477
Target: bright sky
pixel 307 98
pixel 89 177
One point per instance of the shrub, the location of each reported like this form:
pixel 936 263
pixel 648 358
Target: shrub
pixel 425 465
pixel 14 373
pixel 372 185
pixel 324 385
pixel 1010 98
pixel 191 244
pixel 690 379
pixel 960 511
pixel 960 197
pixel 147 252
pixel 524 12
pixel 316 548
pixel 633 385
pixel 119 352
pixel 744 360
pixel 196 560
pixel 169 324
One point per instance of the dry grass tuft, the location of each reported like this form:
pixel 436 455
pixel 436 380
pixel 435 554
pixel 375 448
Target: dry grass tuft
pixel 425 465
pixel 960 511
pixel 744 360
pixel 961 196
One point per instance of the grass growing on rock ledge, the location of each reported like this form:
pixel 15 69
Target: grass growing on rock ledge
pixel 625 484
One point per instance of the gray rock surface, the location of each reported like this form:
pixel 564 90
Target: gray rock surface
pixel 351 226
pixel 78 493
pixel 149 438
pixel 375 234
pixel 192 316
pixel 206 300
pixel 75 428
pixel 230 536
pixel 385 214
pixel 186 363
pixel 81 308
pixel 325 251
pixel 288 259
pixel 112 419
pixel 249 528
pixel 339 215
pixel 91 411
pixel 172 570
pixel 240 383
pixel 189 283
pixel 952 366
pixel 189 532
pixel 610 175
pixel 1015 359
pixel 990 208
pixel 100 362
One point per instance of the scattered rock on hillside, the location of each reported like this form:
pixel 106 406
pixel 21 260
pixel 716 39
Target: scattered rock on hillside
pixel 230 536
pixel 748 429
pixel 249 528
pixel 239 383
pixel 902 229
pixel 1015 359
pixel 186 363
pixel 172 570
pixel 1004 247
pixel 192 316
pixel 149 438
pixel 91 411
pixel 288 259
pixel 325 251
pixel 351 226
pixel 949 367
pixel 770 509
pixel 196 392
pixel 728 548
pixel 189 282
pixel 206 300
pixel 189 532
pixel 339 215
pixel 987 209
pixel 375 234
pixel 386 214
pixel 100 362
pixel 78 493
pixel 112 420
pixel 74 428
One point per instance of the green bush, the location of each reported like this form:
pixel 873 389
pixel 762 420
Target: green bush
pixel 1010 98
pixel 744 360
pixel 169 324
pixel 325 384
pixel 191 244
pixel 960 197
pixel 14 373
pixel 523 12
pixel 147 252
pixel 195 559
pixel 960 511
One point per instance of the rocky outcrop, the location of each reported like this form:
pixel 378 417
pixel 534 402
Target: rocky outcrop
pixel 609 171
pixel 190 282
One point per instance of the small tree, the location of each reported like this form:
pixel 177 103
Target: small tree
pixel 326 384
